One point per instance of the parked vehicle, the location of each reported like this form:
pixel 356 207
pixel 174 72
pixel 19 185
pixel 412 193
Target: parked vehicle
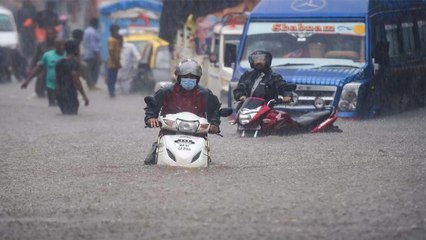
pixel 9 43
pixel 154 67
pixel 362 57
pixel 183 141
pixel 223 49
pixel 258 117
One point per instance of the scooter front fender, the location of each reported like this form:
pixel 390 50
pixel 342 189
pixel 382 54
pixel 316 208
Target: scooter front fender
pixel 183 151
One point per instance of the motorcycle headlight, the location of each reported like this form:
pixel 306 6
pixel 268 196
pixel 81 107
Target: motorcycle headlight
pixel 244 119
pixel 187 126
pixel 349 98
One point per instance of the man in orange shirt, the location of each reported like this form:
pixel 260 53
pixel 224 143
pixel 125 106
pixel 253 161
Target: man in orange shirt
pixel 115 43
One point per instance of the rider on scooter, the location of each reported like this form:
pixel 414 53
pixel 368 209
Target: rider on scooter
pixel 261 81
pixel 184 96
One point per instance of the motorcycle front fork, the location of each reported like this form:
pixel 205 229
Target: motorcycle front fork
pixel 254 135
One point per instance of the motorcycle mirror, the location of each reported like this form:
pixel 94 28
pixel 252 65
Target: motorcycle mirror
pixel 225 112
pixel 290 87
pixel 150 101
pixel 273 102
pixel 294 99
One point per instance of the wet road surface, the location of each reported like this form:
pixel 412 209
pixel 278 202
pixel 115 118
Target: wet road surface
pixel 82 177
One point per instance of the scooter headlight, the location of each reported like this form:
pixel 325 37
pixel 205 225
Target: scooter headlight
pixel 187 126
pixel 349 98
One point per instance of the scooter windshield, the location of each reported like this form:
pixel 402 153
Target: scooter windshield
pixel 252 103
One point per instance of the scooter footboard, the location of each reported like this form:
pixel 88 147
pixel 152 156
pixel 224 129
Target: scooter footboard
pixel 183 151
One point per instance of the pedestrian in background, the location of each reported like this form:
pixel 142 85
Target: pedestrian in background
pixel 45 19
pixel 77 36
pixel 68 80
pixel 42 47
pixel 25 23
pixel 129 59
pixel 65 30
pixel 92 49
pixel 114 51
pixel 48 62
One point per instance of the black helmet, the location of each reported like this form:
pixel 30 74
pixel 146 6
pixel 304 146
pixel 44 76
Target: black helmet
pixel 260 53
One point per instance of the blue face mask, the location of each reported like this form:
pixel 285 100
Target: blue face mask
pixel 188 83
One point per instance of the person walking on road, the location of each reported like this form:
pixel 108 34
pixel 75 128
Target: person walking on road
pixel 48 62
pixel 47 18
pixel 115 42
pixel 129 59
pixel 92 51
pixel 65 29
pixel 25 23
pixel 42 47
pixel 68 80
pixel 77 36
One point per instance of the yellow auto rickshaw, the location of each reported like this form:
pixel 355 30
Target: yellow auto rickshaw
pixel 155 63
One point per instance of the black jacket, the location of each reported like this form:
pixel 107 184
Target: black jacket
pixel 271 85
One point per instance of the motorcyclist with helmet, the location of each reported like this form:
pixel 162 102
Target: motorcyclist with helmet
pixel 261 81
pixel 184 96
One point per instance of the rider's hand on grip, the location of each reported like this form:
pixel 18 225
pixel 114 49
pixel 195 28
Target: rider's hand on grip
pixel 243 98
pixel 153 122
pixel 286 99
pixel 214 129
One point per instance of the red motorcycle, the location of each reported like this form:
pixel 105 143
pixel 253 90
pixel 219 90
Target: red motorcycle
pixel 259 117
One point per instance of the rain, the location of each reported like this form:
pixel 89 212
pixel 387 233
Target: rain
pixel 76 126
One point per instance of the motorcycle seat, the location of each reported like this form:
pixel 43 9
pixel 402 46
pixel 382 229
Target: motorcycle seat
pixel 310 118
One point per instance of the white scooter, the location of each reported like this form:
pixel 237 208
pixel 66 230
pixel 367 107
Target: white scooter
pixel 183 139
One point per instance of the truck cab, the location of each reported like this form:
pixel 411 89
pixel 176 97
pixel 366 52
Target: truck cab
pixel 349 55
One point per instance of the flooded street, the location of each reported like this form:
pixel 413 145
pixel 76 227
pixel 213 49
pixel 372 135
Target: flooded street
pixel 82 177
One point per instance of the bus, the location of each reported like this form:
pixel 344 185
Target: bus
pixel 363 57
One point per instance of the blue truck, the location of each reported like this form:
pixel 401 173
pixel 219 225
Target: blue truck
pixel 363 57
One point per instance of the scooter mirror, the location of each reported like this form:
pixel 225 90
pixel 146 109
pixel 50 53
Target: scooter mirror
pixel 150 101
pixel 225 112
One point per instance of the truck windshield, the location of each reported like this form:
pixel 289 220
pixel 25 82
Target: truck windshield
pixel 5 23
pixel 307 44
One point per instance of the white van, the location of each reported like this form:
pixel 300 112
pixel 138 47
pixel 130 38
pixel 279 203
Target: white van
pixel 9 42
pixel 8 32
pixel 222 57
pixel 223 50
